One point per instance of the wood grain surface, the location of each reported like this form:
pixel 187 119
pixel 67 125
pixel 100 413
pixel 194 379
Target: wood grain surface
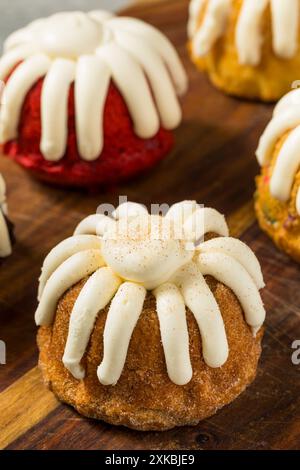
pixel 213 162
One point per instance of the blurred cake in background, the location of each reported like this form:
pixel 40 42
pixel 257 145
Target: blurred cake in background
pixel 278 186
pixel 249 48
pixel 5 238
pixel 90 99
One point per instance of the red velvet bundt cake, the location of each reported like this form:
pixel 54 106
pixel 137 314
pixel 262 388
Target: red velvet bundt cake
pixel 145 324
pixel 90 98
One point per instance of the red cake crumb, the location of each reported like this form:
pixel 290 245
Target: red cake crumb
pixel 124 154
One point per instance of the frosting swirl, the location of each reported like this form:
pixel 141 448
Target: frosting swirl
pixel 144 250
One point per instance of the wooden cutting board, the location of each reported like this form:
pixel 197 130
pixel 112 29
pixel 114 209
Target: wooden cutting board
pixel 214 163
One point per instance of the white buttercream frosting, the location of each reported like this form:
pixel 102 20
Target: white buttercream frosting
pixel 133 252
pixel 95 295
pixel 286 118
pixel 137 254
pixel 212 27
pixel 249 35
pixel 123 314
pixel 174 332
pixel 5 243
pixel 90 50
pixel 200 300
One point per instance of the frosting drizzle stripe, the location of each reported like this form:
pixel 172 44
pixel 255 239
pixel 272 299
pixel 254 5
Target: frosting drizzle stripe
pixel 195 9
pixel 238 250
pixel 213 26
pixel 73 270
pixel 205 220
pixel 12 58
pixel 160 81
pixel 161 44
pixel 275 129
pixel 174 333
pixel 129 210
pixel 298 201
pixel 122 318
pixel 248 32
pixel 5 244
pixel 16 89
pixel 55 109
pixel 126 73
pixel 290 100
pixel 285 24
pixel 91 87
pixel 231 273
pixel 182 211
pixel 94 296
pixel 205 309
pixel 62 252
pixel 286 167
pixel 94 225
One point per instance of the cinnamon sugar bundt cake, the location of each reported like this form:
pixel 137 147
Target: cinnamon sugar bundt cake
pixel 5 238
pixel 146 323
pixel 90 98
pixel 249 48
pixel 277 200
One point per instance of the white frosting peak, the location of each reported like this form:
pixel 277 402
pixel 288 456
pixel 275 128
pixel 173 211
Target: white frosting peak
pixel 249 35
pixel 212 27
pixel 136 252
pixel 63 35
pixel 90 50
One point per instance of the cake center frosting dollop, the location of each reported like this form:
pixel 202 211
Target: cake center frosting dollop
pixel 68 35
pixel 146 249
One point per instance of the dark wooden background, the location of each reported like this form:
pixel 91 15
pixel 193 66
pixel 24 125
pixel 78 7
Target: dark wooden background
pixel 214 163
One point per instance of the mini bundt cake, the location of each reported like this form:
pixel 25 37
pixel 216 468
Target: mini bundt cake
pixel 146 323
pixel 277 199
pixel 249 48
pixel 5 237
pixel 90 98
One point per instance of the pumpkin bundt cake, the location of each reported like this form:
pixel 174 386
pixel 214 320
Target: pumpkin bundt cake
pixel 90 98
pixel 148 321
pixel 5 239
pixel 277 200
pixel 249 48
